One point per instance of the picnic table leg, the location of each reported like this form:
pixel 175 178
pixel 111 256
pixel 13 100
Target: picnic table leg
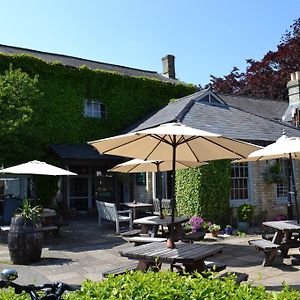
pixel 197 266
pixel 269 257
pixel 144 265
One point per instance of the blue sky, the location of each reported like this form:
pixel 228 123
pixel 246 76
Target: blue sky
pixel 206 37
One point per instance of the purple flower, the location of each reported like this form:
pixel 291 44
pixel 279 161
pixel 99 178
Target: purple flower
pixel 196 223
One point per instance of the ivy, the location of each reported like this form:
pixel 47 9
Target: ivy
pixel 58 115
pixel 204 191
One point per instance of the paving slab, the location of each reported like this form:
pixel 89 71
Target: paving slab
pixel 83 251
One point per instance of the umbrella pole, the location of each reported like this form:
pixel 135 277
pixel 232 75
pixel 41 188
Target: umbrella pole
pixel 173 201
pixel 159 190
pixel 294 187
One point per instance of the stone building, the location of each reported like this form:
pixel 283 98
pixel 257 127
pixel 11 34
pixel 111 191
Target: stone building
pixel 259 121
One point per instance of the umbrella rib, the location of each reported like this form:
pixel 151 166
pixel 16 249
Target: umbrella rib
pixel 124 144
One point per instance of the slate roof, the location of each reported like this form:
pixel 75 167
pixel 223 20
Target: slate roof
pixel 267 108
pixel 249 123
pixel 79 152
pixel 76 62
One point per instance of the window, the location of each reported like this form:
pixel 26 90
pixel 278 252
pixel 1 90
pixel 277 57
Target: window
pixel 282 188
pixel 94 109
pixel 239 183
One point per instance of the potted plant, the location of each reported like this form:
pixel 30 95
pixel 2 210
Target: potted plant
pixel 273 174
pixel 228 229
pixel 214 229
pixel 25 237
pixel 244 215
pixel 196 223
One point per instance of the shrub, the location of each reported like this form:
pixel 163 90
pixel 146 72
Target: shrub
pixel 171 285
pixel 245 212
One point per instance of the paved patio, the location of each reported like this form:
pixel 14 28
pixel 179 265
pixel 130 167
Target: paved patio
pixel 83 251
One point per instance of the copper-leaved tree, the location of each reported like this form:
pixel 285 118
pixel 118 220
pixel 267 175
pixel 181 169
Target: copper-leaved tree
pixel 265 78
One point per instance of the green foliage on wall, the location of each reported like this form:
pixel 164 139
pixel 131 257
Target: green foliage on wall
pixel 58 117
pixel 204 191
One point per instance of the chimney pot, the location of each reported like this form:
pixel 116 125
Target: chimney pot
pixel 169 66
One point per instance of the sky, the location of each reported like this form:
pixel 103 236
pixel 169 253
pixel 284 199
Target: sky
pixel 206 37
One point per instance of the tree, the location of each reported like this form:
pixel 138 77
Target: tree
pixel 265 78
pixel 18 94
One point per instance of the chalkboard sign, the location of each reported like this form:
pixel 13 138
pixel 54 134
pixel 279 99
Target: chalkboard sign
pixel 140 178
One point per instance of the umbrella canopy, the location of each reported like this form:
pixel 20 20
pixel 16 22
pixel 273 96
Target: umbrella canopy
pixel 174 141
pixel 138 165
pixel 36 167
pixel 284 147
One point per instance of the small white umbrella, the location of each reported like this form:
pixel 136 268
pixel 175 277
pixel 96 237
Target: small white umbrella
pixel 36 167
pixel 284 147
pixel 174 141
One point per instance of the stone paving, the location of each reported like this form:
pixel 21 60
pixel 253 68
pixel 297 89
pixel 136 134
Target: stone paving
pixel 83 251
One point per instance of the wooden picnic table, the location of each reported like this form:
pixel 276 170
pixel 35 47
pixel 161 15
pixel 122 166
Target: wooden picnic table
pixel 191 256
pixel 152 223
pixel 136 206
pixel 284 234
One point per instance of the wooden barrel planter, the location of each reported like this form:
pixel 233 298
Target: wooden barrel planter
pixel 25 241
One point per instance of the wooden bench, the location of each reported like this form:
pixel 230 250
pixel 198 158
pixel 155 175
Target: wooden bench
pixel 51 229
pixel 239 277
pixel 193 236
pixel 108 211
pixel 133 232
pixel 270 249
pixel 121 269
pixel 139 240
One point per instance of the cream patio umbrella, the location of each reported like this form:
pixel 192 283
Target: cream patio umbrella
pixel 174 141
pixel 138 165
pixel 284 147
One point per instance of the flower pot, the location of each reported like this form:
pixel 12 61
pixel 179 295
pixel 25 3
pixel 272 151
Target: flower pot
pixel 215 233
pixel 228 230
pixel 243 226
pixel 25 241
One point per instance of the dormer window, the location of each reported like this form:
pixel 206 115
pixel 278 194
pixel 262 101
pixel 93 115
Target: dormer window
pixel 211 99
pixel 94 109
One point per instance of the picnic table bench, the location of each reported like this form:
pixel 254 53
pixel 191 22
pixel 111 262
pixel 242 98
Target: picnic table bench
pixel 270 249
pixel 139 240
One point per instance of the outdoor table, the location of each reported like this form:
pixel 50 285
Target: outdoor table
pixel 191 256
pixel 152 224
pixel 136 206
pixel 284 234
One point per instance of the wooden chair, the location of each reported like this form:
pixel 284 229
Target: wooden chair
pixel 108 211
pixel 165 204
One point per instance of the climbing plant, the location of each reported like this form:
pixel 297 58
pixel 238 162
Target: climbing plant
pixel 204 191
pixel 58 115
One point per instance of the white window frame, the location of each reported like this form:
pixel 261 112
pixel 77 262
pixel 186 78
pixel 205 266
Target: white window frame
pixel 238 202
pixel 282 199
pixel 94 109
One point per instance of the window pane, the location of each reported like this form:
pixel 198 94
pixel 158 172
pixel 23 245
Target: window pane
pixel 239 181
pixel 94 109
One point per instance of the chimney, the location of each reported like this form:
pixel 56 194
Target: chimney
pixel 292 114
pixel 169 66
pixel 294 88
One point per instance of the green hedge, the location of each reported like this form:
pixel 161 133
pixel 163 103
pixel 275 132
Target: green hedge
pixel 205 191
pixel 171 285
pixel 167 285
pixel 58 117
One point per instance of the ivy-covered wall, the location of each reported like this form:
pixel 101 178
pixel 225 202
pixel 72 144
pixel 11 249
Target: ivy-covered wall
pixel 204 191
pixel 58 116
